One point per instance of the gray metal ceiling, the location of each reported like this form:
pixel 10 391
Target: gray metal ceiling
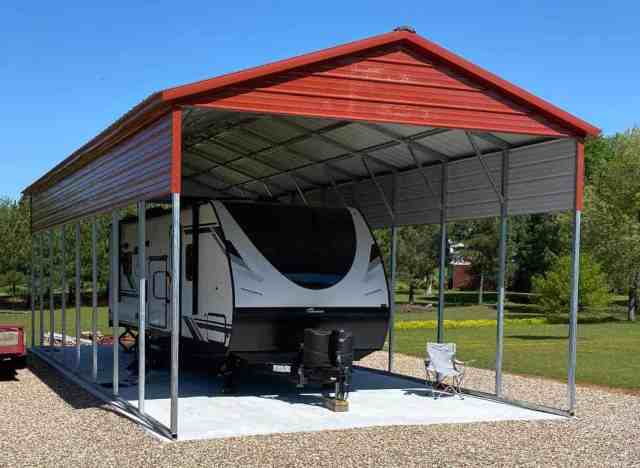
pixel 391 172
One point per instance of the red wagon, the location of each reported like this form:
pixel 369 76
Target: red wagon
pixel 12 347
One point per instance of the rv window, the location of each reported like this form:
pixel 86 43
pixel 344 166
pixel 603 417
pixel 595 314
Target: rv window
pixel 313 247
pixel 189 264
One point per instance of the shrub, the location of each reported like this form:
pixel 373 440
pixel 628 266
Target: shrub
pixel 451 324
pixel 553 292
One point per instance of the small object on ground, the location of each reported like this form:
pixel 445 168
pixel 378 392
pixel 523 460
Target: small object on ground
pixel 441 363
pixel 336 405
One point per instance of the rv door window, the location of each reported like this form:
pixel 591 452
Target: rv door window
pixel 313 247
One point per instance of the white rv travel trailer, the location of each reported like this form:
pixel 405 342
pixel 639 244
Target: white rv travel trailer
pixel 255 276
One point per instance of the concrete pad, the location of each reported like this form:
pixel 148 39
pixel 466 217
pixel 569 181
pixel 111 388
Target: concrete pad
pixel 267 404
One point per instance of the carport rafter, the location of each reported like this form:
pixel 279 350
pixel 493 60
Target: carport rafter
pixel 424 175
pixel 293 151
pixel 343 156
pixel 413 139
pixel 343 146
pixel 333 184
pixel 485 168
pixel 209 172
pixel 383 195
pixel 244 153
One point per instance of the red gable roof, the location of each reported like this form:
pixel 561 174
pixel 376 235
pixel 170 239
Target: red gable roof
pixel 161 102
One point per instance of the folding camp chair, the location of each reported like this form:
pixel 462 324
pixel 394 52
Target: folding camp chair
pixel 443 369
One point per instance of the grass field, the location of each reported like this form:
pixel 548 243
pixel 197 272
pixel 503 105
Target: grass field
pixel 22 318
pixel 606 351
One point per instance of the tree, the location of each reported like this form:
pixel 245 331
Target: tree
pixel 535 243
pixel 417 256
pixel 481 249
pixel 553 289
pixel 612 216
pixel 15 244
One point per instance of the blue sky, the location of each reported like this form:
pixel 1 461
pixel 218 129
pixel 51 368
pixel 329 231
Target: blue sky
pixel 68 69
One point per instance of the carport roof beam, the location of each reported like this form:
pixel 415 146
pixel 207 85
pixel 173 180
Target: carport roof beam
pixel 209 171
pixel 343 146
pixel 413 139
pixel 243 153
pixel 425 178
pixel 333 185
pixel 291 150
pixel 380 190
pixel 485 168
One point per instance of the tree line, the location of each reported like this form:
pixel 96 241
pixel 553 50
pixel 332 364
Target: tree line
pixel 17 248
pixel 537 244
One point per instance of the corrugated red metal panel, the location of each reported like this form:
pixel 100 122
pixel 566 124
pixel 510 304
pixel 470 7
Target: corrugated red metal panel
pixel 426 49
pixel 138 168
pixel 389 84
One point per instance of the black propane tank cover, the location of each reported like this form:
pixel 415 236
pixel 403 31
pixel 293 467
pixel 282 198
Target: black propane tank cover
pixel 317 344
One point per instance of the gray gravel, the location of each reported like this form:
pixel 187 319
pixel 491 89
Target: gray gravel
pixel 45 421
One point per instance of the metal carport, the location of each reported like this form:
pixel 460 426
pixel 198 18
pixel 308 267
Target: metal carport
pixel 395 125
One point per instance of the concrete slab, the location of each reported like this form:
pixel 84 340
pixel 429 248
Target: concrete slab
pixel 267 404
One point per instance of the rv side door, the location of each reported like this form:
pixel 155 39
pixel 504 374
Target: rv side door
pixel 158 299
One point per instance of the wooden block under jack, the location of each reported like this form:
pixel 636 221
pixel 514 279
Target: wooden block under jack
pixel 339 406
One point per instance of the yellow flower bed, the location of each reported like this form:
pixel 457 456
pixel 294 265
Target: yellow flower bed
pixel 432 324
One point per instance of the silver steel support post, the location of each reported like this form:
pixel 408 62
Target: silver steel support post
pixel 115 319
pixel 94 301
pixel 78 296
pixel 443 251
pixel 41 286
pixel 33 293
pixel 175 308
pixel 63 285
pixel 502 265
pixel 52 311
pixel 573 312
pixel 392 298
pixel 142 306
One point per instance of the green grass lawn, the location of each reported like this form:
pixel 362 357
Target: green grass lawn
pixel 22 318
pixel 607 352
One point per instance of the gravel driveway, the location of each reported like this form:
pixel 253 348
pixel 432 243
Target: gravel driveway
pixel 45 421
